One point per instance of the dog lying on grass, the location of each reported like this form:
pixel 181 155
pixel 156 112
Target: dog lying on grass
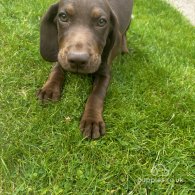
pixel 84 36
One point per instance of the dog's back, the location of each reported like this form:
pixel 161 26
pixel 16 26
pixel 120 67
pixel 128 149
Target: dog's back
pixel 123 11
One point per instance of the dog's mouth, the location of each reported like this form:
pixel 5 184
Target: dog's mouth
pixel 79 62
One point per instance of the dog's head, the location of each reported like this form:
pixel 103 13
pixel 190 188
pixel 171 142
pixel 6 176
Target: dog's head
pixel 79 34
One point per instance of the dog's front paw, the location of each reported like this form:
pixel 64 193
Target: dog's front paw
pixel 92 128
pixel 48 93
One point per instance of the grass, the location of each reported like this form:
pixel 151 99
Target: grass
pixel 149 111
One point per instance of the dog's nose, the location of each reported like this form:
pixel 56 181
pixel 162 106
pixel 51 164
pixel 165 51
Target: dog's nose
pixel 78 59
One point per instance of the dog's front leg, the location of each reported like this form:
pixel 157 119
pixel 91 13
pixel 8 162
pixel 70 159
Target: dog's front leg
pixel 51 90
pixel 92 124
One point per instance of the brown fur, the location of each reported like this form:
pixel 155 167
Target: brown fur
pixel 84 36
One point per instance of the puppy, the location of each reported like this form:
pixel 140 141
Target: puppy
pixel 84 36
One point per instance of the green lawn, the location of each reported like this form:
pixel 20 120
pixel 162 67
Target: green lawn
pixel 149 147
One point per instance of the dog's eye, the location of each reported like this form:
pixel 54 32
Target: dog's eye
pixel 102 22
pixel 63 17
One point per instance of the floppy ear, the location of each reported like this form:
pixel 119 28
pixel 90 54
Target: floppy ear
pixel 113 36
pixel 49 35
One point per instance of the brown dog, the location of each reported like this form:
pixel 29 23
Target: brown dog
pixel 84 36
